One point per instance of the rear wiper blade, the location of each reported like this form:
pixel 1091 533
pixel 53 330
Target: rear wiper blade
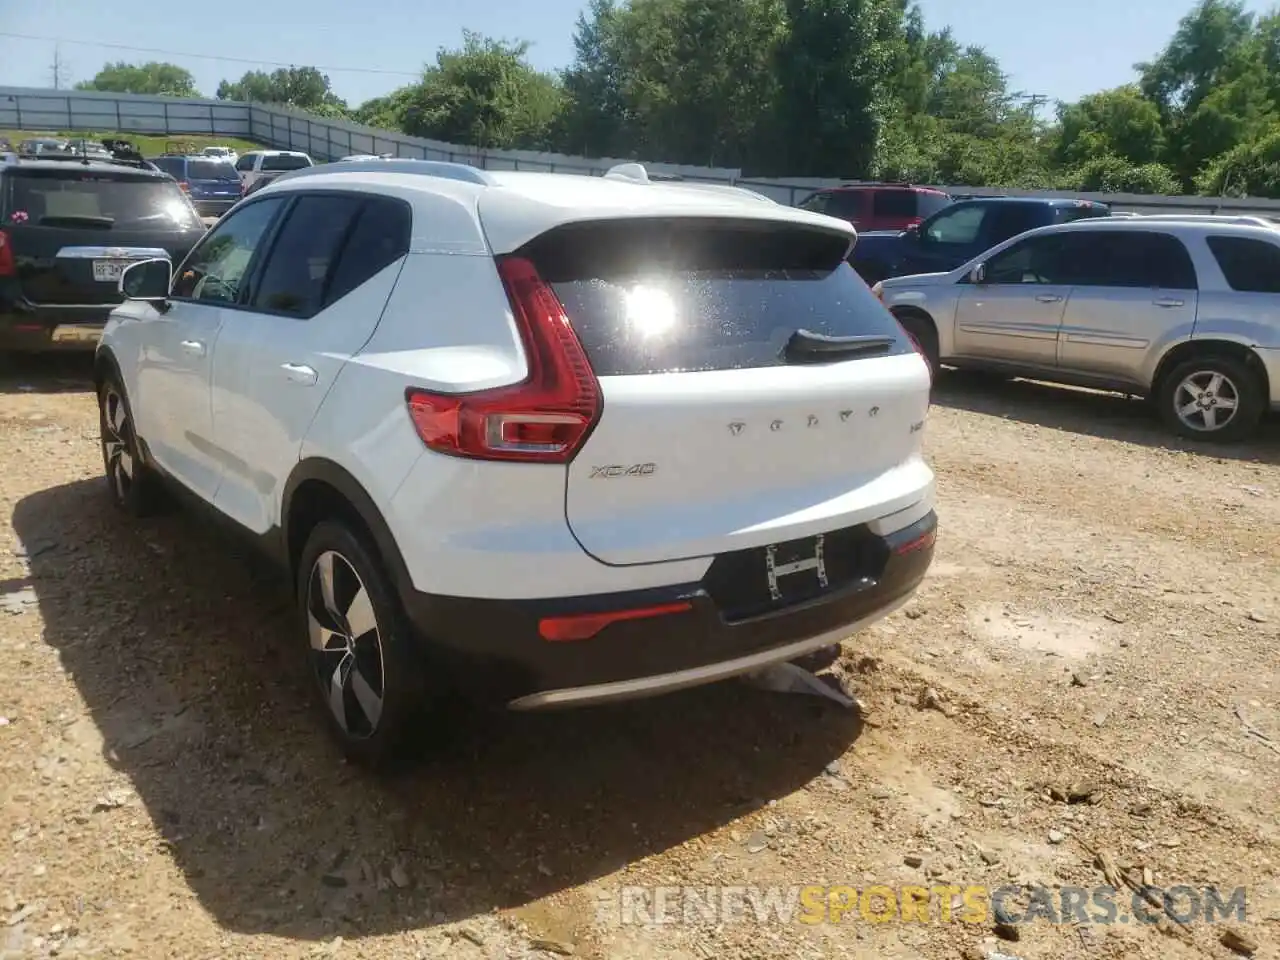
pixel 77 221
pixel 805 346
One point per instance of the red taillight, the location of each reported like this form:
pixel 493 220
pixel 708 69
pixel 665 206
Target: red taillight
pixel 544 419
pixel 584 626
pixel 7 268
pixel 184 186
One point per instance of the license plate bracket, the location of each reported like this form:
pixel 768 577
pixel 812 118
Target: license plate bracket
pixel 787 561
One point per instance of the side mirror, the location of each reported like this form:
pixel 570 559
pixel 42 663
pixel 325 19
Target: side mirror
pixel 146 280
pixel 978 275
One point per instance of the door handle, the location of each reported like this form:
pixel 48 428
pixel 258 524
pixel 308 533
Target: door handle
pixel 300 373
pixel 193 347
pixel 1049 298
pixel 1169 302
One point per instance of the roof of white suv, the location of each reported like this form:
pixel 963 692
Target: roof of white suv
pixel 516 206
pixel 1196 226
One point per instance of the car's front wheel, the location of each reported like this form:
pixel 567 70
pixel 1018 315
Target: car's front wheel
pixel 1212 398
pixel 367 679
pixel 130 482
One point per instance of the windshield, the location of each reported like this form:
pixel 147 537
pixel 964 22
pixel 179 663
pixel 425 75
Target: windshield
pixel 109 199
pixel 211 170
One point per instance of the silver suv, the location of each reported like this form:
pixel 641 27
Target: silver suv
pixel 1186 312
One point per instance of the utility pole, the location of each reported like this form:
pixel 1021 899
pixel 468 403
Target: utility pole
pixel 58 67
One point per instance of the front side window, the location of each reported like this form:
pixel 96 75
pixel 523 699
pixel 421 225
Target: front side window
pixel 816 202
pixel 1036 260
pixel 960 224
pixel 215 270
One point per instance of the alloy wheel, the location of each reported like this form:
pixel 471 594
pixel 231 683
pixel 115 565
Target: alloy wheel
pixel 346 645
pixel 1206 401
pixel 117 449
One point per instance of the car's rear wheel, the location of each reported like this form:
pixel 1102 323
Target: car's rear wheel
pixel 131 483
pixel 1212 398
pixel 367 679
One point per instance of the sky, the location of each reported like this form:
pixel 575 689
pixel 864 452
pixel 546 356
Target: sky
pixel 1060 50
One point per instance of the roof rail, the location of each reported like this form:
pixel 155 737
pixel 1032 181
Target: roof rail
pixel 1242 219
pixel 426 168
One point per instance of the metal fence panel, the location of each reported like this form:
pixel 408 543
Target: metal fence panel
pixel 32 109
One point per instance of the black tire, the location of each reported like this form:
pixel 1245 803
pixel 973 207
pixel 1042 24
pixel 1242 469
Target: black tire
pixel 376 678
pixel 926 335
pixel 1209 383
pixel 131 484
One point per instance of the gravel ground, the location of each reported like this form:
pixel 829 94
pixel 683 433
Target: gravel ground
pixel 1102 621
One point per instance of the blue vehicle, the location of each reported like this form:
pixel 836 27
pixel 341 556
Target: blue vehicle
pixel 212 184
pixel 959 232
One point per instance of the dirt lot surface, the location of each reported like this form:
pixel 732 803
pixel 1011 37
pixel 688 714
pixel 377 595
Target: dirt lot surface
pixel 1102 622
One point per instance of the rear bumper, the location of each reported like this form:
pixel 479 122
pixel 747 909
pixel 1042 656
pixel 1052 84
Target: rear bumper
pixel 494 649
pixel 30 328
pixel 214 208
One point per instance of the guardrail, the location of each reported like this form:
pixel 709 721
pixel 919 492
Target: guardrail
pixel 27 108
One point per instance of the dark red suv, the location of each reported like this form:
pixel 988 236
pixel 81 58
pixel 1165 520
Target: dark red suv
pixel 877 206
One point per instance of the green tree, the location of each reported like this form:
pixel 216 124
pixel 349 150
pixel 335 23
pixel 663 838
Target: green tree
pixel 485 95
pixel 303 87
pixel 1202 49
pixel 155 77
pixel 1109 173
pixel 1120 122
pixel 832 67
pixel 1251 169
pixel 675 80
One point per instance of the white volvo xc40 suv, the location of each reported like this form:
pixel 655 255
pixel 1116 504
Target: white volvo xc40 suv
pixel 551 440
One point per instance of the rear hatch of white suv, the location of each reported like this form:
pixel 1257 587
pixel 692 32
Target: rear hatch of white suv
pixel 753 390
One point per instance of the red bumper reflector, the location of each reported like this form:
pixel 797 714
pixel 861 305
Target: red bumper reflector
pixel 919 543
pixel 584 626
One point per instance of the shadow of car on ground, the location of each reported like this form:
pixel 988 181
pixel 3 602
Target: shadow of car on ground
pixel 69 371
pixel 182 646
pixel 1093 413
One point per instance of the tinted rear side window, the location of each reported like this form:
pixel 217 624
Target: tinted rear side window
pixel 284 163
pixel 293 280
pixel 1250 266
pixel 1139 259
pixel 100 198
pixel 895 203
pixel 667 296
pixel 380 237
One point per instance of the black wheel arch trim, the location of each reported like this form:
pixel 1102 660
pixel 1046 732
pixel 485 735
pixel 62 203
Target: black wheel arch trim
pixel 340 479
